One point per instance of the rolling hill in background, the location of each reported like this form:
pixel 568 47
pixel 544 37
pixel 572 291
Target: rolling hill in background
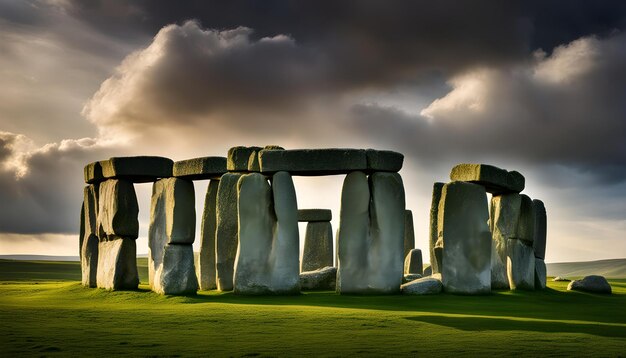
pixel 614 268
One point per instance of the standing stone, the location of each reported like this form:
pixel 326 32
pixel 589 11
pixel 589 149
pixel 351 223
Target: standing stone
pixel 540 274
pixel 385 256
pixel 117 209
pixel 318 246
pixel 81 234
pixel 526 223
pixel 539 243
pixel 520 265
pixel 413 262
pixel 505 211
pixel 435 255
pixel 176 274
pixel 89 246
pixel 353 234
pixel 238 158
pixel 463 215
pixel 267 255
pixel 117 264
pixel 226 231
pixel 206 263
pixel 409 232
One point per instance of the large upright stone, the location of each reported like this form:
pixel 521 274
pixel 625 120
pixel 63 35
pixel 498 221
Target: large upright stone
pixel 520 265
pixel 140 169
pixel 318 246
pixel 413 262
pixel 435 254
pixel 206 262
pixel 226 230
pixel 176 273
pixel 539 242
pixel 409 232
pixel 526 222
pixel 200 168
pixel 495 180
pixel 505 211
pixel 463 215
pixel 239 157
pixel 540 274
pixel 371 234
pixel 267 255
pixel 172 221
pixel 117 209
pixel 308 215
pixel 90 241
pixel 117 264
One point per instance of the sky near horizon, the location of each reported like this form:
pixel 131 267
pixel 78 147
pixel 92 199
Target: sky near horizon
pixel 533 86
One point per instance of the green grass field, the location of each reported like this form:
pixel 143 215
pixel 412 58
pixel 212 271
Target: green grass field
pixel 44 311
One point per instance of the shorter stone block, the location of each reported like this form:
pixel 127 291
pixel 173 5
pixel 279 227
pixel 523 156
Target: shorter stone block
pixel 141 169
pixel 428 271
pixel 495 180
pixel 540 274
pixel 384 160
pixel 239 157
pixel 592 283
pixel 318 246
pixel 520 265
pixel 526 222
pixel 409 232
pixel 309 215
pixel 117 264
pixel 413 262
pixel 200 168
pixel 322 279
pixel 176 275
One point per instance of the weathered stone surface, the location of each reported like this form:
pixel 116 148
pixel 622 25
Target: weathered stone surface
pixel 463 214
pixel 539 242
pixel 422 286
pixel 495 180
pixel 140 169
pixel 428 270
pixel 520 265
pixel 117 264
pixel 89 242
pixel 226 231
pixel 435 258
pixel 353 234
pixel 526 223
pixel 413 262
pixel 318 246
pixel 313 161
pixel 409 232
pixel 238 158
pixel 93 173
pixel 81 234
pixel 206 262
pixel 560 279
pixel 322 279
pixel 176 274
pixel 505 211
pixel 540 274
pixel 200 168
pixel 593 284
pixel 268 252
pixel 383 160
pixel 408 277
pixel 117 209
pixel 371 235
pixel 309 215
pixel 253 161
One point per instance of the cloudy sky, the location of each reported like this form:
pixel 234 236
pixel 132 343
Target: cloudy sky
pixel 535 86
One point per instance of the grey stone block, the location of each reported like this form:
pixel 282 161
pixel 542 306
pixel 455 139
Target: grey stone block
pixel 89 241
pixel 200 168
pixel 540 274
pixel 93 173
pixel 593 284
pixel 495 180
pixel 226 230
pixel 117 264
pixel 505 211
pixel 312 162
pixel 463 215
pixel 322 279
pixel 141 169
pixel 409 232
pixel 308 215
pixel 318 246
pixel 383 160
pixel 206 263
pixel 422 286
pixel 413 262
pixel 539 243
pixel 117 209
pixel 526 222
pixel 435 260
pixel 239 157
pixel 520 265
pixel 176 275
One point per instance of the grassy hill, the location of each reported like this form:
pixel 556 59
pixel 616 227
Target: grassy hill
pixel 615 268
pixel 44 317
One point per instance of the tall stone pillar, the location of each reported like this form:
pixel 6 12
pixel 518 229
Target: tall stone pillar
pixel 226 234
pixel 206 263
pixel 89 241
pixel 435 246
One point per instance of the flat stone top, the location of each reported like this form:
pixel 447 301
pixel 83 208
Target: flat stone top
pixel 495 180
pixel 200 168
pixel 309 215
pixel 331 161
pixel 139 169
